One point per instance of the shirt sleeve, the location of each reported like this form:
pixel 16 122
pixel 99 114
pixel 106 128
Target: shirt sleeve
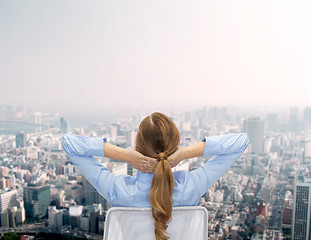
pixel 227 149
pixel 81 151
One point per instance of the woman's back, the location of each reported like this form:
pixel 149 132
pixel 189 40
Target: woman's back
pixel 157 138
pixel 133 191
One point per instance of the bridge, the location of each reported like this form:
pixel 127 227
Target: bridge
pixel 28 123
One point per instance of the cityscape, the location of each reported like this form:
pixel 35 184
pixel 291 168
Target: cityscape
pixel 264 195
pixel 97 68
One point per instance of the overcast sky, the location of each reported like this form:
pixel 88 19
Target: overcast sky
pixel 100 54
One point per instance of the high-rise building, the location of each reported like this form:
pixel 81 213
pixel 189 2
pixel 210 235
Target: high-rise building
pixel 94 214
pixel 131 137
pixel 21 139
pixel 293 124
pixel 254 127
pixel 307 116
pixel 306 145
pixel 113 130
pixel 37 199
pixel 302 208
pixel 75 213
pixel 92 196
pixel 272 122
pixel 55 217
pixel 8 199
pixel 63 125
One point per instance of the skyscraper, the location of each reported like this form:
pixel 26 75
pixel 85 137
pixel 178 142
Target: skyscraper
pixel 302 208
pixel 92 196
pixel 254 127
pixel 307 117
pixel 272 122
pixel 37 199
pixel 293 124
pixel 20 139
pixel 63 125
pixel 8 199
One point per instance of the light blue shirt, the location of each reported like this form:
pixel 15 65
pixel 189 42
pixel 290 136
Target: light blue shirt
pixel 132 191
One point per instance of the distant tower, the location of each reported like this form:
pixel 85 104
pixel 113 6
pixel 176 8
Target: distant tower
pixel 293 124
pixel 63 125
pixel 272 122
pixel 302 208
pixel 131 137
pixel 20 139
pixel 307 117
pixel 254 127
pixel 38 121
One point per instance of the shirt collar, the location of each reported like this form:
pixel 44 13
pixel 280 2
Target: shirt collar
pixel 144 177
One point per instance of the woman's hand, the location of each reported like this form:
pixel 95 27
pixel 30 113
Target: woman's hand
pixel 141 162
pixel 136 159
pixel 176 157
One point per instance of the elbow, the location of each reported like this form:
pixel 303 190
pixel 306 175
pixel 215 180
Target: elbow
pixel 245 140
pixel 64 141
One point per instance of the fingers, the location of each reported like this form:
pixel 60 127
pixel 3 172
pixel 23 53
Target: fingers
pixel 148 170
pixel 150 164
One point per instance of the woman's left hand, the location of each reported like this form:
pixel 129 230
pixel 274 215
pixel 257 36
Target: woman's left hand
pixel 141 162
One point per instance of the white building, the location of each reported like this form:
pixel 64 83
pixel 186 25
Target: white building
pixel 52 216
pixel 255 130
pixel 20 215
pixel 8 199
pixel 219 196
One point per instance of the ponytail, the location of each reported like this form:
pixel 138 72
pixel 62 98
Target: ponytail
pixel 160 196
pixel 158 137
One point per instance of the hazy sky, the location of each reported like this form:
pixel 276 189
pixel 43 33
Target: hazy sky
pixel 101 54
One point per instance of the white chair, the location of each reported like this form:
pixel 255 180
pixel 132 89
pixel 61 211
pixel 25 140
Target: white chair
pixel 125 223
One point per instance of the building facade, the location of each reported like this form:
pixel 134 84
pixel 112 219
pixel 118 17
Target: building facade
pixel 37 199
pixel 254 127
pixel 301 213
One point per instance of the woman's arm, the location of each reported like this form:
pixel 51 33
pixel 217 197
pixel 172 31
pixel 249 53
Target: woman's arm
pixel 91 146
pixel 227 148
pixel 136 159
pixel 192 151
pixel 81 151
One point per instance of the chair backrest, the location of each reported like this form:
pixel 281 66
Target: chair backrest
pixel 125 223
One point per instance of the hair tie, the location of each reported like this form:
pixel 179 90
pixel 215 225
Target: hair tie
pixel 162 156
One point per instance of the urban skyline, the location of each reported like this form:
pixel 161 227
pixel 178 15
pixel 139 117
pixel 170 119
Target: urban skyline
pixel 253 200
pixel 98 68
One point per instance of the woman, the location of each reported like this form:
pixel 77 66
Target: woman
pixel 156 152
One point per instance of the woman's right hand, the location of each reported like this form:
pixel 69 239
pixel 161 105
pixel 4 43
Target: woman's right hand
pixel 176 157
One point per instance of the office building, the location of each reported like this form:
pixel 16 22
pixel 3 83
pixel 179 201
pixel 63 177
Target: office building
pixel 21 139
pixel 92 196
pixel 293 124
pixel 75 212
pixel 37 199
pixel 302 208
pixel 254 127
pixel 8 199
pixel 63 126
pixel 307 117
pixel 272 122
